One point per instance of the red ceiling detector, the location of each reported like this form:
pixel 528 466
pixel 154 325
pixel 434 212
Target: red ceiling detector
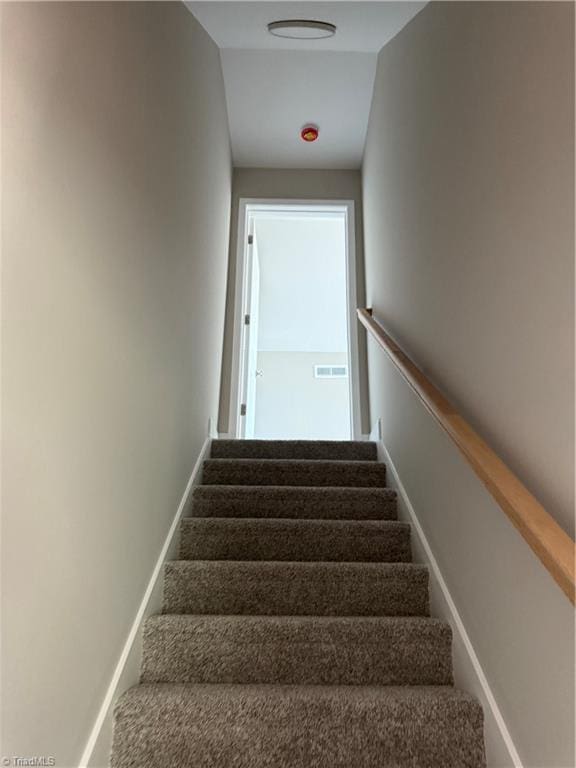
pixel 309 133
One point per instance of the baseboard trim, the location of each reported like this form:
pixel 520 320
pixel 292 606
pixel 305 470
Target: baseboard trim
pixel 131 648
pixel 451 613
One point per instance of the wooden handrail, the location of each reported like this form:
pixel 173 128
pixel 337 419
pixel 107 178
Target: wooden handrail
pixel 551 544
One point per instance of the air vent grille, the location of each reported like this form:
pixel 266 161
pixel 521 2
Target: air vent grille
pixel 330 371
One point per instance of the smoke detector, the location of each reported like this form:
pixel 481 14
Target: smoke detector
pixel 309 133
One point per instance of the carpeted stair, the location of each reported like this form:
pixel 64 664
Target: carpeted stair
pixel 296 629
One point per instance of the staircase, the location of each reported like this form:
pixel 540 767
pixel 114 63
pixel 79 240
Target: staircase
pixel 296 629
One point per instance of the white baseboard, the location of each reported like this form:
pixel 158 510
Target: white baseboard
pixel 468 673
pixel 97 750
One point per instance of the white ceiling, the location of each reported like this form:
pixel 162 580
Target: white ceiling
pixel 362 26
pixel 275 86
pixel 271 96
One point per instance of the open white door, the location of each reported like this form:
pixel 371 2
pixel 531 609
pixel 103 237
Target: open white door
pixel 318 313
pixel 250 345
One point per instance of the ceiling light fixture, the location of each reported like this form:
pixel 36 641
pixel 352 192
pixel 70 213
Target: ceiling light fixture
pixel 301 29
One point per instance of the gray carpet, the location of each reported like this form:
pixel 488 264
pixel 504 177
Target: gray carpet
pixel 294 449
pixel 276 539
pixel 297 650
pixel 295 588
pixel 167 725
pixel 324 503
pixel 294 472
pixel 295 630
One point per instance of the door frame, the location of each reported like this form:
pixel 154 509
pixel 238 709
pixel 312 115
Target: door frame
pixel 246 207
pixel 248 354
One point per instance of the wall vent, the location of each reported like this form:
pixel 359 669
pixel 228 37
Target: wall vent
pixel 330 371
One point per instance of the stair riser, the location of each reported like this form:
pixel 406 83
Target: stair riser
pixel 294 503
pixel 305 589
pixel 246 472
pixel 297 651
pixel 309 540
pixel 262 729
pixel 293 449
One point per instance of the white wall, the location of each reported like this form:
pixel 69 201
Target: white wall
pixel 292 404
pixel 469 201
pixel 116 199
pixel 302 284
pixel 295 184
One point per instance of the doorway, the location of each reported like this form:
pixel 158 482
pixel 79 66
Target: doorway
pixel 295 355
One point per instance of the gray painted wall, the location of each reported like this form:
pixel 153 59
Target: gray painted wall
pixel 469 202
pixel 116 200
pixel 298 184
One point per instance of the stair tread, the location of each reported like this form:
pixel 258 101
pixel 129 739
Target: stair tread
pixel 179 692
pixel 294 501
pixel 293 524
pixel 345 449
pixel 295 587
pixel 296 565
pixel 226 538
pixel 307 472
pixel 286 492
pixel 292 462
pixel 360 623
pixel 266 726
pixel 297 649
